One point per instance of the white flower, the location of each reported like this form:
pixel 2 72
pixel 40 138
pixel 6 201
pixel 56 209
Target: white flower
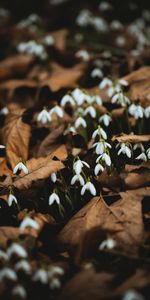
pixel 100 132
pixel 54 198
pixel 89 186
pixel 98 168
pixel 4 111
pixel 106 119
pixel 79 178
pixel 142 156
pixel 147 112
pixel 2 147
pixel 31 47
pixel 101 146
pixel 49 40
pixel 17 250
pixel 132 295
pixel 57 110
pixel 24 266
pixel 44 117
pixel 3 255
pixel 120 41
pixel 80 122
pixel 108 244
pixel 138 145
pixel 41 275
pixel 96 73
pixel 67 99
pixel 97 99
pixel 106 158
pixel 28 222
pixel 106 82
pixel 11 199
pixel 55 270
pixel 148 153
pixel 78 165
pixel 124 150
pixel 19 291
pixel 123 82
pixel 55 284
pixel 136 111
pixel 116 25
pixel 91 111
pixel 104 6
pixel 53 177
pixel 121 99
pixel 8 273
pixel 83 18
pixel 20 166
pixel 83 54
pixel 80 97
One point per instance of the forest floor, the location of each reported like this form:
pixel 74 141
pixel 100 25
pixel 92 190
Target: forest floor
pixel 75 151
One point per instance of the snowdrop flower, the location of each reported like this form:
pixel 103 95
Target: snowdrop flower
pixel 138 145
pixel 55 270
pixel 101 146
pixel 11 199
pixel 24 266
pixel 121 99
pixel 55 284
pixel 136 111
pixel 83 18
pixel 31 47
pixel 116 25
pixel 122 82
pixel 89 186
pixel 98 168
pixel 3 255
pixel 91 111
pixel 99 24
pixel 54 198
pixel 53 177
pixel 104 6
pixel 80 122
pixel 147 112
pixel 57 110
pixel 16 249
pixel 107 244
pixel 83 54
pixel 124 150
pixel 105 119
pixel 19 291
pixel 106 82
pixel 8 274
pixel 4 111
pixel 100 132
pixel 44 116
pixel 78 165
pixel 20 166
pixel 41 275
pixel 132 295
pixel 80 97
pixel 79 178
pixel 106 158
pixel 2 147
pixel 96 73
pixel 67 99
pixel 148 153
pixel 120 41
pixel 28 222
pixel 97 99
pixel 142 156
pixel 49 40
